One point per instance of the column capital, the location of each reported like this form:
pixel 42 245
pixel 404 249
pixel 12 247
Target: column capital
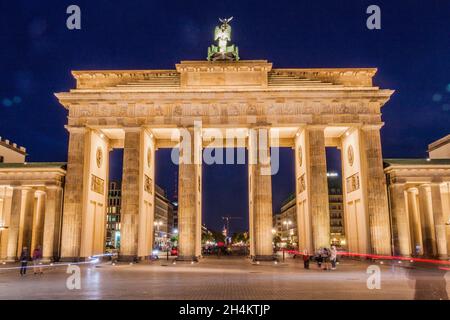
pixel 53 187
pixel 412 189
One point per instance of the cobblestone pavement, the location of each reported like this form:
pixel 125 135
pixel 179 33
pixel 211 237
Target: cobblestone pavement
pixel 227 279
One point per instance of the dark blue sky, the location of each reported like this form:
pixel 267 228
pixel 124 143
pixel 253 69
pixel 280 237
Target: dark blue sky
pixel 37 52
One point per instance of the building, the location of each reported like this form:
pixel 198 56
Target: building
pixel 419 198
pixel 163 221
pixel 31 196
pixel 10 152
pixel 113 215
pixel 336 205
pixel 143 110
pixel 285 223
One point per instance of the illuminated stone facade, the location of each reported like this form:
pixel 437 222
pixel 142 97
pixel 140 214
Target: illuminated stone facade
pixel 138 110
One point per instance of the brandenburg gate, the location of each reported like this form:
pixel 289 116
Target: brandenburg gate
pixel 139 110
pixel 142 111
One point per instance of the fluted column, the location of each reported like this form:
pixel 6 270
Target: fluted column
pixel 14 223
pixel 5 221
pixel 439 221
pixel 426 215
pixel 189 192
pixel 130 196
pixel 261 192
pixel 26 220
pixel 52 223
pixel 73 196
pixel 415 223
pixel 377 204
pixel 400 220
pixel 38 220
pixel 318 187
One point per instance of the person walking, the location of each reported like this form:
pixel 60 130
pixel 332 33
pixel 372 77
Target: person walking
pixel 305 259
pixel 24 257
pixel 37 257
pixel 319 258
pixel 326 258
pixel 333 257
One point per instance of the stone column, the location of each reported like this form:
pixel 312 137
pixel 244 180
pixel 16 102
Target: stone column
pixel 14 223
pixel 439 221
pixel 5 221
pixel 52 223
pixel 400 220
pixel 188 195
pixel 26 220
pixel 426 215
pixel 377 204
pixel 73 196
pixel 318 187
pixel 38 220
pixel 130 195
pixel 260 168
pixel 415 223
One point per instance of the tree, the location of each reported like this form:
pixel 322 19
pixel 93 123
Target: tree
pixel 276 240
pixel 240 237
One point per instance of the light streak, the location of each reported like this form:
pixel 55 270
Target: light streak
pixel 93 260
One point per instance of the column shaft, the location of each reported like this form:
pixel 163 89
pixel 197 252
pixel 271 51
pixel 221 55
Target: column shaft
pixel 318 187
pixel 5 221
pixel 262 194
pixel 426 215
pixel 439 221
pixel 14 223
pixel 189 190
pixel 52 223
pixel 400 220
pixel 73 196
pixel 38 220
pixel 26 221
pixel 415 223
pixel 377 204
pixel 130 196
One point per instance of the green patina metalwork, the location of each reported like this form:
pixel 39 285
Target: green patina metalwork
pixel 223 50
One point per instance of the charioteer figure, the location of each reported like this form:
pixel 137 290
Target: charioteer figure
pixel 223 51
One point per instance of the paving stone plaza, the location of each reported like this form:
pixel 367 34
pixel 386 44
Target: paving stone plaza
pixel 228 279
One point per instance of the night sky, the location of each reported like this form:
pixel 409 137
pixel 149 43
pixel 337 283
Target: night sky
pixel 37 53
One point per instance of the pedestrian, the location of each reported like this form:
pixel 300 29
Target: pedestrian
pixel 24 256
pixel 37 257
pixel 319 258
pixel 305 259
pixel 326 258
pixel 333 257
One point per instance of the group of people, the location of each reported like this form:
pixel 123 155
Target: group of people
pixel 323 258
pixel 36 258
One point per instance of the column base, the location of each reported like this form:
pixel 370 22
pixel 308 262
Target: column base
pixel 11 259
pixel 265 258
pixel 442 257
pixel 127 258
pixel 186 259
